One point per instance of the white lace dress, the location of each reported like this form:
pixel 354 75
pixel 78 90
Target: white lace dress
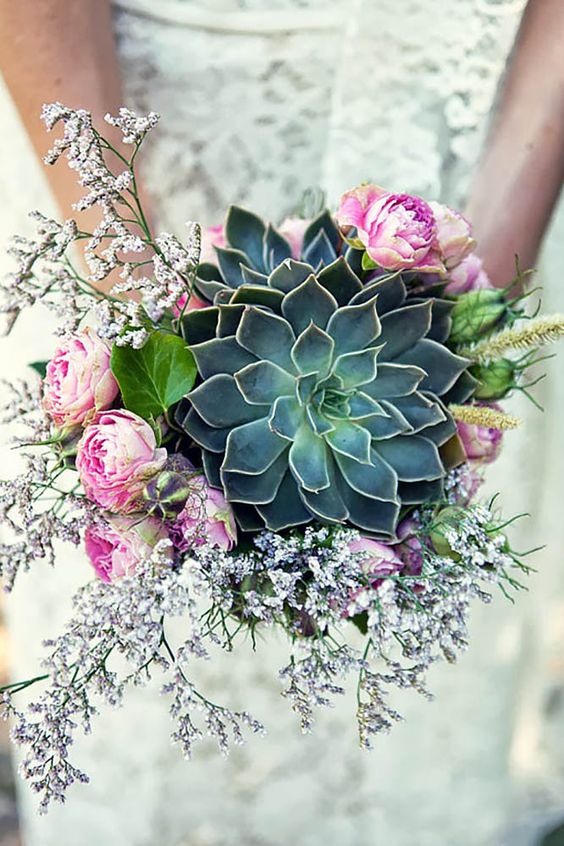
pixel 259 101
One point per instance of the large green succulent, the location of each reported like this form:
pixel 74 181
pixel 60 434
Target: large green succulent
pixel 255 249
pixel 322 397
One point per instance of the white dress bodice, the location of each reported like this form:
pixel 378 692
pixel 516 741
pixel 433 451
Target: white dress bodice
pixel 260 101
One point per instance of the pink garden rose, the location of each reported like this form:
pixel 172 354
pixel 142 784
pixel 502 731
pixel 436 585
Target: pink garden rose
pixel 454 235
pixel 481 444
pixel 116 548
pixel 398 231
pixel 213 236
pixel 467 276
pixel 116 456
pixel 293 230
pixel 189 303
pixel 78 382
pixel 378 560
pixel 206 518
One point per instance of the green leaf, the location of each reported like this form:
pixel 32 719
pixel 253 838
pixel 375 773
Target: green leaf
pixel 39 367
pixel 367 262
pixel 153 378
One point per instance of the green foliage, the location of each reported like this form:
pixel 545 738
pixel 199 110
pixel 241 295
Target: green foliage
pixel 39 367
pixel 155 377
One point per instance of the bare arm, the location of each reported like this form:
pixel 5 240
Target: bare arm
pixel 519 178
pixel 60 50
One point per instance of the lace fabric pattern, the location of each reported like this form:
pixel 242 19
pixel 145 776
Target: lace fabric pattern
pixel 260 101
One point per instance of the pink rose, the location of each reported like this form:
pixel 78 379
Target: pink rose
pixel 207 518
pixel 191 303
pixel 116 456
pixel 454 235
pixel 467 276
pixel 116 548
pixel 379 559
pixel 293 230
pixel 213 236
pixel 398 231
pixel 78 382
pixel 480 443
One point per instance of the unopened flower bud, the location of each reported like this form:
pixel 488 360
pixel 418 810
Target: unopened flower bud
pixel 446 520
pixel 496 379
pixel 476 313
pixel 167 493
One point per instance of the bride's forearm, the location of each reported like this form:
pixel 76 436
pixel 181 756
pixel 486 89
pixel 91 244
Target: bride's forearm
pixel 519 178
pixel 59 50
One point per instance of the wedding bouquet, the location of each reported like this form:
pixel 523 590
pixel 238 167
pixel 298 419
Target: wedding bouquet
pixel 257 428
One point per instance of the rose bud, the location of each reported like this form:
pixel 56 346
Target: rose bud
pixel 213 236
pixel 293 230
pixel 207 518
pixel 496 378
pixel 398 231
pixel 481 444
pixel 187 303
pixel 454 235
pixel 410 549
pixel 78 381
pixel 116 456
pixel 377 561
pixel 467 276
pixel 476 313
pixel 116 548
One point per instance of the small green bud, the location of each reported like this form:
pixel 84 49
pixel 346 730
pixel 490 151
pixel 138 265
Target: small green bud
pixel 496 379
pixel 167 493
pixel 445 520
pixel 476 313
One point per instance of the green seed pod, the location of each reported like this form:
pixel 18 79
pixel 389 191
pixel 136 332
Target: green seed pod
pixel 475 314
pixel 167 494
pixel 496 379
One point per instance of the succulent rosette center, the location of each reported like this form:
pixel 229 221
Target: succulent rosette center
pixel 320 397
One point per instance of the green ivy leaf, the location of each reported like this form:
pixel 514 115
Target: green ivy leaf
pixel 39 367
pixel 153 378
pixel 367 262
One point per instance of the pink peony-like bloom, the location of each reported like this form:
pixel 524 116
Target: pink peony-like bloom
pixel 467 276
pixel 78 382
pixel 293 230
pixel 213 236
pixel 116 456
pixel 189 303
pixel 481 444
pixel 380 560
pixel 398 231
pixel 207 518
pixel 454 234
pixel 116 548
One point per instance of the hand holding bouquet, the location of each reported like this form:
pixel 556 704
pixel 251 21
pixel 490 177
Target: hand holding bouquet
pixel 259 427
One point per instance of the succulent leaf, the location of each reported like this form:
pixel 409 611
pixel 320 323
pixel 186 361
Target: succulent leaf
pixel 324 388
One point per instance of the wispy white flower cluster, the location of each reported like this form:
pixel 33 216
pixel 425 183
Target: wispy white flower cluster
pixel 304 583
pixel 121 248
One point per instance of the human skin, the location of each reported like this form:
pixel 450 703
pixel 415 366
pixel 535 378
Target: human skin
pixel 519 177
pixel 64 50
